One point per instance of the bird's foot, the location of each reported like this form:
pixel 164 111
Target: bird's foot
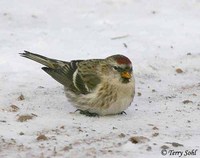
pixel 121 113
pixel 87 113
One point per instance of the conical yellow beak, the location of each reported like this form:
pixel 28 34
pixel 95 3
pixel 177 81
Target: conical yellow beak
pixel 126 75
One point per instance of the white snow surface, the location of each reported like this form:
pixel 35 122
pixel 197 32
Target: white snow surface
pixel 158 36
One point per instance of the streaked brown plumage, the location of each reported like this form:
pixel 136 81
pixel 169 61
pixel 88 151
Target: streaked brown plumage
pixel 95 86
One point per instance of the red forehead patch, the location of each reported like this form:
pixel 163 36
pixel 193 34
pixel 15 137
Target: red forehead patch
pixel 122 60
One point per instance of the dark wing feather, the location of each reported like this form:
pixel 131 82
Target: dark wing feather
pixel 79 76
pixel 88 73
pixel 58 75
pixel 71 77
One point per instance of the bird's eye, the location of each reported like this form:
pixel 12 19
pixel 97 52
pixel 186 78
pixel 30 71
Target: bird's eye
pixel 115 67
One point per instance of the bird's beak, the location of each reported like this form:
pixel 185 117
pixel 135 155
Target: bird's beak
pixel 126 74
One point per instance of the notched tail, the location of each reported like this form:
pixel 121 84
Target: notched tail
pixel 38 58
pixel 51 63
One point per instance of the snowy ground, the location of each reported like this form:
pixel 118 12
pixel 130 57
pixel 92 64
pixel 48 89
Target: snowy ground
pixel 160 37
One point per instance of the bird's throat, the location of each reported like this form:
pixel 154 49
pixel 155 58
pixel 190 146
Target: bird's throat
pixel 125 80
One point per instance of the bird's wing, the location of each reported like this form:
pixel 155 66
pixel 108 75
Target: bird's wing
pixel 79 76
pixel 88 74
pixel 79 79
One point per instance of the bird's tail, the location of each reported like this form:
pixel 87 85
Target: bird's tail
pixel 51 63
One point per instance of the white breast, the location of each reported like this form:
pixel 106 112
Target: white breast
pixel 93 102
pixel 125 94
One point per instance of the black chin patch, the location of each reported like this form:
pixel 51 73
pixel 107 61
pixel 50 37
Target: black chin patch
pixel 125 80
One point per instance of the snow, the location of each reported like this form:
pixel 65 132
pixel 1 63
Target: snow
pixel 160 36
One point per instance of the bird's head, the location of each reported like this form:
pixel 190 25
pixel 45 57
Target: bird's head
pixel 120 68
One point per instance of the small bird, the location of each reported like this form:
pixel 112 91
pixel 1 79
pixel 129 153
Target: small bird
pixel 96 87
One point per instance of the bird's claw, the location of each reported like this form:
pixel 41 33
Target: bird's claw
pixel 87 113
pixel 123 112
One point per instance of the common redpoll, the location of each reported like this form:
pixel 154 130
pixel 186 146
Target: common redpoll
pixel 95 86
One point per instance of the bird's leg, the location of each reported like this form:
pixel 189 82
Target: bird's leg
pixel 121 113
pixel 87 113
